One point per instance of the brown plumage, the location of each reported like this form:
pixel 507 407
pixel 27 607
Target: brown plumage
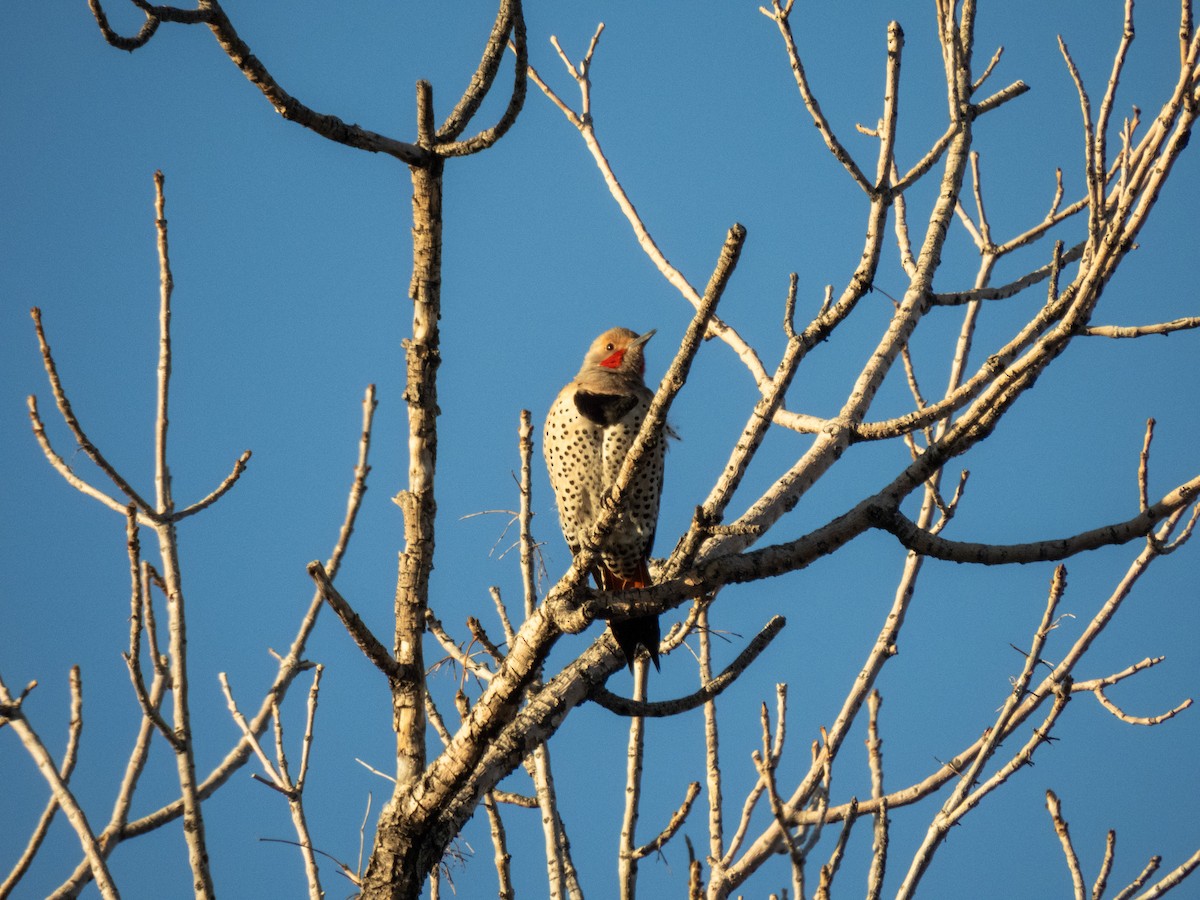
pixel 589 432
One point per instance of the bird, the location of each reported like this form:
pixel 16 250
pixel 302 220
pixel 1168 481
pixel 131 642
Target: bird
pixel 588 434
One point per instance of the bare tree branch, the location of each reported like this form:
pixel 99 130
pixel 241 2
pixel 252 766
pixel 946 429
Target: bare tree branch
pixel 1173 878
pixel 12 714
pixel 64 407
pixel 358 630
pixel 1101 882
pixel 1064 836
pixel 707 691
pixel 1134 331
pixel 1041 551
pixel 70 755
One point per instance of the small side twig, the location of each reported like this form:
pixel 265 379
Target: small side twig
pixel 15 717
pixel 1064 836
pixel 362 635
pixel 38 835
pixel 672 826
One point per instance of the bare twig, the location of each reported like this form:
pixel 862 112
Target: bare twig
pixel 1172 878
pixel 627 860
pixel 502 857
pixel 1136 885
pixel 1110 846
pixel 1135 331
pixel 70 755
pixel 673 826
pixel 146 512
pixel 15 717
pixel 362 635
pixel 780 14
pixel 1139 720
pixel 1064 837
pixel 583 122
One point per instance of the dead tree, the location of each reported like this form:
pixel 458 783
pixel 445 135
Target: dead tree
pixel 508 723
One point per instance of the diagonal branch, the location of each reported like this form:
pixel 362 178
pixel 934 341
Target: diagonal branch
pixel 1141 525
pixel 583 122
pixel 485 73
pixel 675 823
pixel 81 438
pixel 60 465
pixel 15 718
pixel 712 688
pixel 1172 878
pixel 1064 837
pixel 780 15
pixel 509 19
pixel 1135 331
pixel 370 645
pixel 210 13
pixel 21 866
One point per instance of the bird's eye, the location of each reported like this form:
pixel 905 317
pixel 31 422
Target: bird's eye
pixel 608 347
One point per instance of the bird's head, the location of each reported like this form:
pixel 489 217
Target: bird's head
pixel 618 350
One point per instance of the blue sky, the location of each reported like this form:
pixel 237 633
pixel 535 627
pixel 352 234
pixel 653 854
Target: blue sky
pixel 291 261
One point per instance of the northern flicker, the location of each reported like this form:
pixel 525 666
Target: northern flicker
pixel 589 432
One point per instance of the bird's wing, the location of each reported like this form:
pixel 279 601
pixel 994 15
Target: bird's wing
pixel 604 409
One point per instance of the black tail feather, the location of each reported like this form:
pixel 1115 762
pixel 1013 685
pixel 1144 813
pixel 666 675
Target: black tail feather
pixel 631 634
pixel 641 631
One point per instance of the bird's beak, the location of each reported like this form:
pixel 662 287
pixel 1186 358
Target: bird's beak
pixel 641 339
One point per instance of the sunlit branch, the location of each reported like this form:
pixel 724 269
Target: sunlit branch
pixel 713 777
pixel 230 480
pixel 780 14
pixel 672 827
pixel 1135 331
pixel 627 858
pixel 290 665
pixel 70 755
pixel 879 848
pixel 583 122
pixel 64 407
pixel 1064 837
pixel 1139 720
pixel 501 857
pixel 1172 878
pixel 927 544
pixel 1014 90
pixel 1101 882
pixel 1004 292
pixel 14 716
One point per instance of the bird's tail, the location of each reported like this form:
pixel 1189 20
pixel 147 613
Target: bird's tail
pixel 641 631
